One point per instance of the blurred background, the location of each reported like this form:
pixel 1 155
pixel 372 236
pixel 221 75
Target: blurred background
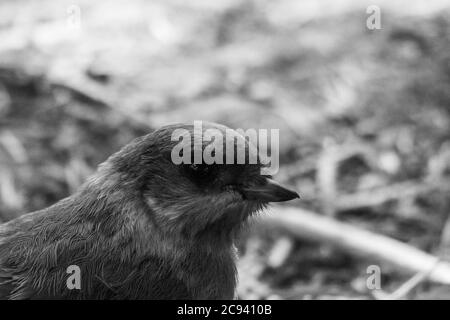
pixel 363 113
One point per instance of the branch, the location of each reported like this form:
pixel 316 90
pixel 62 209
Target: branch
pixel 309 225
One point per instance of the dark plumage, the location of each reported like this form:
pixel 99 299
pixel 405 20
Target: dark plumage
pixel 140 228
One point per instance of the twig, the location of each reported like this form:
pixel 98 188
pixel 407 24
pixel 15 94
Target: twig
pixel 309 225
pixel 406 287
pixel 379 196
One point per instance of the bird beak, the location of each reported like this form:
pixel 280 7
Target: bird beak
pixel 271 191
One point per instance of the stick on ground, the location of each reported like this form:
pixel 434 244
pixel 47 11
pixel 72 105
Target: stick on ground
pixel 309 225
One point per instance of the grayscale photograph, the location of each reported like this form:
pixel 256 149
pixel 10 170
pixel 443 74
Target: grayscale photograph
pixel 247 151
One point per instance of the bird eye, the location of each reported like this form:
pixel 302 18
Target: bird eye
pixel 200 168
pixel 201 171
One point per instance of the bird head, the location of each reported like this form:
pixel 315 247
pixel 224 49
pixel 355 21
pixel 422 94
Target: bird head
pixel 193 199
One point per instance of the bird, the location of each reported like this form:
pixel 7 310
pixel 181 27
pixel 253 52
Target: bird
pixel 141 227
